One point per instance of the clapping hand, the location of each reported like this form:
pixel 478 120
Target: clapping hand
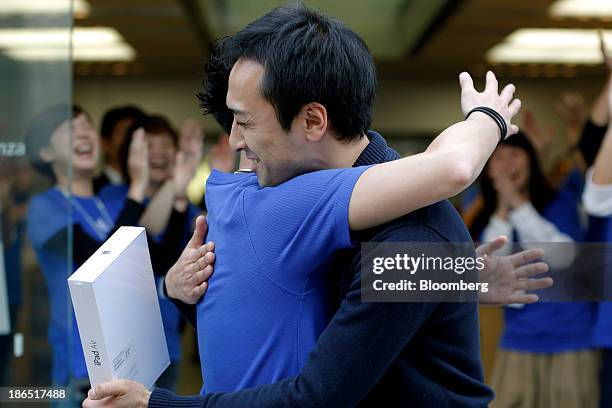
pixel 188 157
pixel 138 166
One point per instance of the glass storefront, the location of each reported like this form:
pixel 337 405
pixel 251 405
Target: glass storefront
pixel 35 104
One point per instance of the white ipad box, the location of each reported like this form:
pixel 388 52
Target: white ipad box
pixel 117 311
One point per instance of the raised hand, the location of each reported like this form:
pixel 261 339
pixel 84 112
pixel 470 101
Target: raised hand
pixel 604 52
pixel 184 170
pixel 507 193
pixel 572 109
pixel 503 103
pixel 510 276
pixel 189 156
pixel 190 131
pixel 138 166
pixel 540 139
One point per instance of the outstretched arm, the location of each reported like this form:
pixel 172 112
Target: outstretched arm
pixel 602 171
pixel 600 112
pixel 450 164
pixel 597 197
pixel 593 132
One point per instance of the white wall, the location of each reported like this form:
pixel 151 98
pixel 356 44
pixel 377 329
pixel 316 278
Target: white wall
pixel 173 97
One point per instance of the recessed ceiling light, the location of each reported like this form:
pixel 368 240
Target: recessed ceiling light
pixel 88 44
pixel 560 46
pixel 118 52
pixel 581 8
pixel 80 8
pixel 41 37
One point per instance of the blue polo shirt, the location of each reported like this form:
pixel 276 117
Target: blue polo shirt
pixel 48 214
pixel 267 303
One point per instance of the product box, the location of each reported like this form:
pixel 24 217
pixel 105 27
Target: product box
pixel 117 311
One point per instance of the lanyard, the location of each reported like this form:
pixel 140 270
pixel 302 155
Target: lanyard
pixel 101 225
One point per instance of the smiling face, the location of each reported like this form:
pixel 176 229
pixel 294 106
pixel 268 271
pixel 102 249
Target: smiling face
pixel 512 161
pixel 273 153
pixel 83 153
pixel 162 152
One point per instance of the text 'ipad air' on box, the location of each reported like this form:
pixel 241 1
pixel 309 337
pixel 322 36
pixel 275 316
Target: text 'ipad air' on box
pixel 117 311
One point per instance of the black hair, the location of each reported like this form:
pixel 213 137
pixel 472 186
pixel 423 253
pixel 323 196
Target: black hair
pixel 114 116
pixel 155 124
pixel 307 57
pixel 41 130
pixel 540 191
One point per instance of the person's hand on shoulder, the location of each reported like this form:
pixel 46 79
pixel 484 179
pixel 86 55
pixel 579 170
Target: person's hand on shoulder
pixel 187 279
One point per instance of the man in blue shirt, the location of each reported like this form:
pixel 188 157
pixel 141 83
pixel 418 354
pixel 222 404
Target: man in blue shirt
pixel 423 354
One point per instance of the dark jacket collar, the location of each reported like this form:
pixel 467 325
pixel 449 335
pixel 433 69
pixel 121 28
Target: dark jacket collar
pixel 377 151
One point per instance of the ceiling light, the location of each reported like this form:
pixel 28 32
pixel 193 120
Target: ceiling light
pixel 581 8
pixel 117 52
pixel 80 8
pixel 43 37
pixel 561 46
pixel 88 44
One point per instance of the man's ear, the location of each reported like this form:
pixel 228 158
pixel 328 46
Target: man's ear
pixel 315 121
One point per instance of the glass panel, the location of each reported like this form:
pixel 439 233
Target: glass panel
pixel 35 151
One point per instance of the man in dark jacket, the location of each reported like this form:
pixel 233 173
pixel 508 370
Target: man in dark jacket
pixel 417 354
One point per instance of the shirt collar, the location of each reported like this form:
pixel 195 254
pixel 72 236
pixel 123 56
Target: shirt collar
pixel 377 151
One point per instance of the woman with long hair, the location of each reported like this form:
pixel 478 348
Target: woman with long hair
pixel 546 358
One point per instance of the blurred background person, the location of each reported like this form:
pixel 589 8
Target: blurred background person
pixel 169 217
pixel 94 218
pixel 546 358
pixel 596 143
pixel 114 131
pixel 15 185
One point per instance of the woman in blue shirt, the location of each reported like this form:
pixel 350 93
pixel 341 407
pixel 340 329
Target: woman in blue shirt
pixel 168 213
pixel 546 358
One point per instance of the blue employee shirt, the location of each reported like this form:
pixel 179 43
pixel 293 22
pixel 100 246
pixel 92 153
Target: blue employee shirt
pixel 48 214
pixel 600 230
pixel 171 317
pixel 376 351
pixel 267 303
pixel 553 327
